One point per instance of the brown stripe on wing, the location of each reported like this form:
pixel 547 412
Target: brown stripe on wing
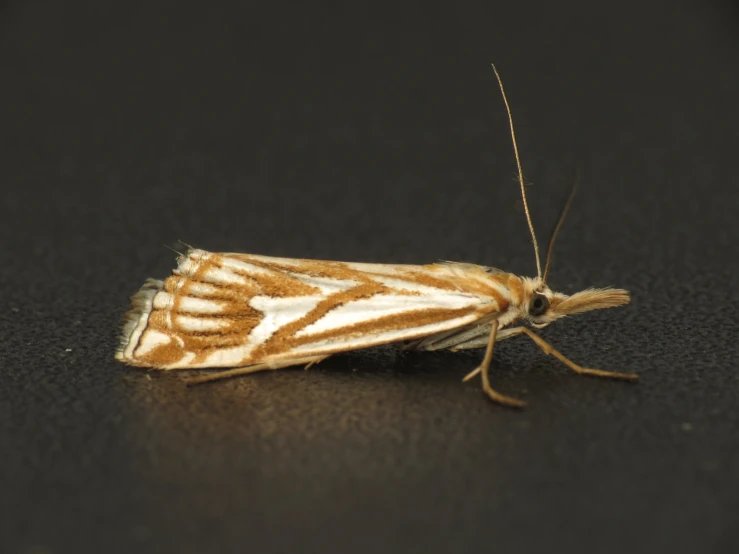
pixel 469 278
pixel 515 288
pixel 237 316
pixel 421 277
pixel 187 287
pixel 310 268
pixel 473 279
pixel 277 283
pixel 418 274
pixel 501 300
pixel 372 327
pixel 278 341
pixel 168 354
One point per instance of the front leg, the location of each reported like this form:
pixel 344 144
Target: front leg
pixel 476 343
pixel 549 349
pixel 484 368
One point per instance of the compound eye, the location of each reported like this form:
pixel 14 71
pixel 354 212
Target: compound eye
pixel 539 305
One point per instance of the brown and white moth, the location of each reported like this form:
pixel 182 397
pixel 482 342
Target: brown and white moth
pixel 252 313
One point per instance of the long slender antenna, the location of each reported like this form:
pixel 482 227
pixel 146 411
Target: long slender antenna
pixel 520 172
pixel 561 219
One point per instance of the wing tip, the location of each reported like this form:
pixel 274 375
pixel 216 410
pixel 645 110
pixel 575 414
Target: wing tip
pixel 137 317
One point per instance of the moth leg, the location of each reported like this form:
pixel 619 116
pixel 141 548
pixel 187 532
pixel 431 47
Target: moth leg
pixel 549 349
pixel 318 360
pixel 477 343
pixel 246 370
pixel 481 341
pixel 430 342
pixel 454 337
pixel 484 369
pixel 410 345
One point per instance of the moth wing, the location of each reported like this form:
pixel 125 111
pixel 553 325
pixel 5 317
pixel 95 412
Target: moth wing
pixel 232 310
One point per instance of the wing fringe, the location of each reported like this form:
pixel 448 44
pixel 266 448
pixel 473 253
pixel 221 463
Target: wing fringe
pixel 141 305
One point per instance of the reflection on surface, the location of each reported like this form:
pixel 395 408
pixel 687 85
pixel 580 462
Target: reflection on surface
pixel 344 411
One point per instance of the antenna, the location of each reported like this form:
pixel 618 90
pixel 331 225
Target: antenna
pixel 561 219
pixel 520 172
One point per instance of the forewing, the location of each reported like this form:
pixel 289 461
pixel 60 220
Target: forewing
pixel 230 310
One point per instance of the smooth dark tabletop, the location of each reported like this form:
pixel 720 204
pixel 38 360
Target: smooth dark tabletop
pixel 375 134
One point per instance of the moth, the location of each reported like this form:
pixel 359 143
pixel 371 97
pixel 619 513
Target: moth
pixel 253 313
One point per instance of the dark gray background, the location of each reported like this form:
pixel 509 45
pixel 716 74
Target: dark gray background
pixel 370 134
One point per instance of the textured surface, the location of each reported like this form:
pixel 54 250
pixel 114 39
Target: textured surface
pixel 370 136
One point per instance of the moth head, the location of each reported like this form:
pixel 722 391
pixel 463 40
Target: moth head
pixel 543 305
pixel 539 304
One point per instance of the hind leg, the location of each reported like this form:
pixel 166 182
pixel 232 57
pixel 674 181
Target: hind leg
pixel 246 370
